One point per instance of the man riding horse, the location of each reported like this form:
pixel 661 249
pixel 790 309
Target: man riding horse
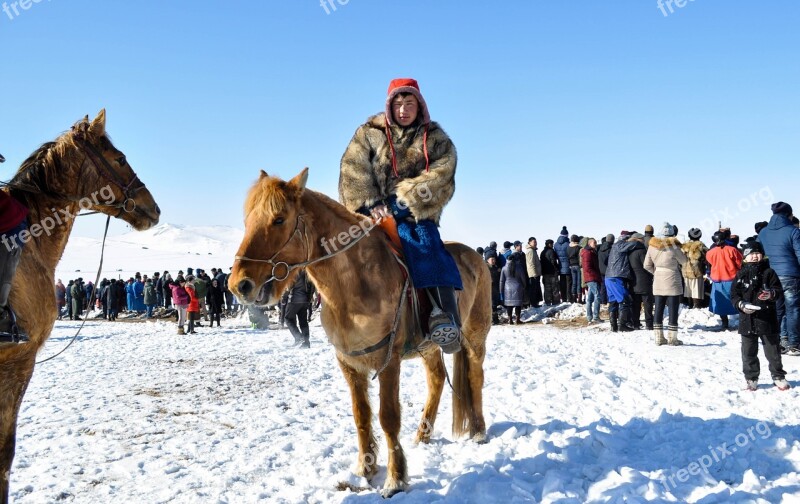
pixel 13 220
pixel 401 164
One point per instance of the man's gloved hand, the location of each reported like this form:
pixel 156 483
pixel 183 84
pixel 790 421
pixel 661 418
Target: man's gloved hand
pixel 744 309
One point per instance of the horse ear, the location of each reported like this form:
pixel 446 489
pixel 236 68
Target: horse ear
pixel 300 180
pixel 98 126
pixel 263 174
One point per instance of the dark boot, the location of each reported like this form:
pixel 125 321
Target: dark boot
pixel 9 332
pixel 725 323
pixel 445 323
pixel 625 324
pixel 697 304
pixel 614 318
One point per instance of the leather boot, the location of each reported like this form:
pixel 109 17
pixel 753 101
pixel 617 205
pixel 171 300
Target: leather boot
pixel 658 330
pixel 625 319
pixel 672 336
pixel 445 323
pixel 614 318
pixel 10 333
pixel 696 303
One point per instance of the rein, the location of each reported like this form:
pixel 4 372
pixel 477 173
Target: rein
pixel 94 289
pixel 389 338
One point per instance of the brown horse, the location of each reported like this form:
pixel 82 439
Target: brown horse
pixel 79 170
pixel 288 226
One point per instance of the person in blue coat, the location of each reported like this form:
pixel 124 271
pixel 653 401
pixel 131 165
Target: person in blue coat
pixel 564 277
pixel 129 295
pixel 781 242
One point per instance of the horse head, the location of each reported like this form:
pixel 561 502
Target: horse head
pixel 274 240
pixel 108 183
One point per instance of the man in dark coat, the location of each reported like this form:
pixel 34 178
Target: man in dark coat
pixel 490 256
pixel 112 299
pixel 602 257
pixel 618 273
pixel 781 241
pixel 13 222
pixel 642 285
pixel 564 277
pixel 550 268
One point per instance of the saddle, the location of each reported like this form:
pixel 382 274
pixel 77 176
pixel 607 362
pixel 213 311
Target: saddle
pixel 418 299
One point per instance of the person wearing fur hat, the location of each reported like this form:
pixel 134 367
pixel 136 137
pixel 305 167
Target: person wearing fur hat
pixel 550 269
pixel 754 293
pixel 665 261
pixel 781 241
pixel 725 261
pixel 695 267
pixel 534 267
pixel 401 164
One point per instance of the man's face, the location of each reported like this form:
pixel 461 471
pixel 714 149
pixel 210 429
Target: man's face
pixel 532 243
pixel 592 243
pixel 405 109
pixel 492 261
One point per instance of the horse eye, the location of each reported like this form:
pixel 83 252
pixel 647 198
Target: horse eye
pixel 122 161
pixel 277 222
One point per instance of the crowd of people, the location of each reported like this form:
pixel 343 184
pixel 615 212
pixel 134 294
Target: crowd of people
pixel 650 275
pixel 190 297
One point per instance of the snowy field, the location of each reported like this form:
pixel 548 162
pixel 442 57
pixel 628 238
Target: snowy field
pixel 135 413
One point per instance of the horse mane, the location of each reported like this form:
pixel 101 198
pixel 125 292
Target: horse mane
pixel 269 195
pixel 35 173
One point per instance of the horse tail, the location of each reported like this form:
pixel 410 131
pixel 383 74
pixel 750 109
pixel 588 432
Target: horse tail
pixel 463 409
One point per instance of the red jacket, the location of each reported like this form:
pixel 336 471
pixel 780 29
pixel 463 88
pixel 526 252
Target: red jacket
pixel 194 304
pixel 590 265
pixel 725 262
pixel 12 212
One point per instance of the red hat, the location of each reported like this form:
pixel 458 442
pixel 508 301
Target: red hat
pixel 409 86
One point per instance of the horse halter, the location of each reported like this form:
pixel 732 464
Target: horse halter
pixel 106 171
pixel 290 267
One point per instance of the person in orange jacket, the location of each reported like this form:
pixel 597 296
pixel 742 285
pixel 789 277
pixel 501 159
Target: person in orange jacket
pixel 725 261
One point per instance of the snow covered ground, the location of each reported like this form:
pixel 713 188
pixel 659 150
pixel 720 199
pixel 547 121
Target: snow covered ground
pixel 135 413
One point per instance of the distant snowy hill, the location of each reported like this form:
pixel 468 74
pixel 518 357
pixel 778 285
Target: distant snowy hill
pixel 170 247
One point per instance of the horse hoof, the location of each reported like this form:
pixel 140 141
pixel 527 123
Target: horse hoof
pixel 480 438
pixel 390 490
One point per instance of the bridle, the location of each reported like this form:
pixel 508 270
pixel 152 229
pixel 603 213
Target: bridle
pixel 106 171
pixel 290 267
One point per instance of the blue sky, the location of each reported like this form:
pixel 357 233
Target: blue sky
pixel 596 115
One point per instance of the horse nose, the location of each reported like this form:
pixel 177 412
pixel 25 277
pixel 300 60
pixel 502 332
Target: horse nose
pixel 158 210
pixel 245 287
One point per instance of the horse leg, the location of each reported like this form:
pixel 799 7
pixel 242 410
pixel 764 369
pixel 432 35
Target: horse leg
pixel 362 415
pixel 435 374
pixel 397 472
pixel 476 356
pixel 14 378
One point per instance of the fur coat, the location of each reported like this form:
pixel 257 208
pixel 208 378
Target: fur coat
pixel 695 251
pixel 366 176
pixel 665 261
